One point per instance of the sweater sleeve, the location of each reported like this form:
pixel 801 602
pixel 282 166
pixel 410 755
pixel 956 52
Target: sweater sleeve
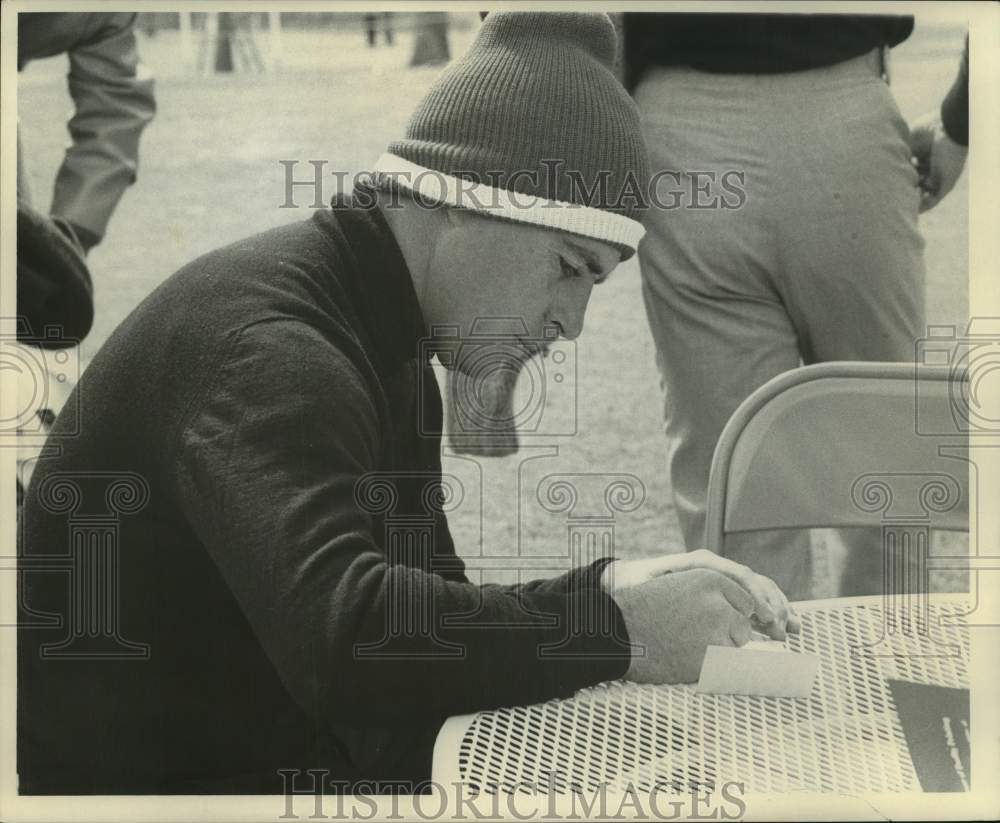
pixel 113 97
pixel 267 472
pixel 955 107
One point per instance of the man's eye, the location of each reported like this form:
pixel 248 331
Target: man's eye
pixel 569 270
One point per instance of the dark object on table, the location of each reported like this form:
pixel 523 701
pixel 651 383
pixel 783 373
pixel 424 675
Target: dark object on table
pixel 935 723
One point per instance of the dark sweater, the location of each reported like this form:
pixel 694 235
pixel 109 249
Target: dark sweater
pixel 250 393
pixel 753 43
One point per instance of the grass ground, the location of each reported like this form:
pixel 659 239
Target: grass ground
pixel 210 174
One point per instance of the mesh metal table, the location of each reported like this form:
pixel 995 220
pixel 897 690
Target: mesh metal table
pixel 845 737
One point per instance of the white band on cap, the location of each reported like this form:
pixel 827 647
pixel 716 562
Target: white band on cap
pixel 446 189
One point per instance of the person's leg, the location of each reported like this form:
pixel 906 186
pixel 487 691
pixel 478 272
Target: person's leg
pixel 711 355
pixel 852 267
pixel 720 328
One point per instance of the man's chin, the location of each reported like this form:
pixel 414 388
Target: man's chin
pixel 486 446
pixel 480 413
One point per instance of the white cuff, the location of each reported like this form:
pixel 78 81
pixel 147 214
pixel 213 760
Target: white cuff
pixel 446 189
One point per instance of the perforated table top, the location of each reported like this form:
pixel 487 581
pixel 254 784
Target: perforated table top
pixel 845 737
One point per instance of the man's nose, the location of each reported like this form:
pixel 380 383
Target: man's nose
pixel 572 309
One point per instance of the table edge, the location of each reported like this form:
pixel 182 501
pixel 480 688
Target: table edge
pixel 878 599
pixel 445 770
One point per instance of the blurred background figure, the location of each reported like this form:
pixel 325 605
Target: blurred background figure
pixel 112 104
pixel 820 258
pixel 235 44
pixel 940 140
pixel 430 44
pixel 371 22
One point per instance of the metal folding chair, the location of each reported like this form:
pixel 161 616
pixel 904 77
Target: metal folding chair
pixel 848 444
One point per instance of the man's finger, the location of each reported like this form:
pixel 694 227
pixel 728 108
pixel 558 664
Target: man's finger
pixel 762 607
pixel 778 605
pixel 774 630
pixel 740 632
pixel 759 588
pixel 738 597
pixel 776 600
pixel 794 621
pixel 751 582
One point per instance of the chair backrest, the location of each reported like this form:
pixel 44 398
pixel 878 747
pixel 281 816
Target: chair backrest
pixel 844 444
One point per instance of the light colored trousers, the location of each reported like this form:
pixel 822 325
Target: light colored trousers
pixel 822 260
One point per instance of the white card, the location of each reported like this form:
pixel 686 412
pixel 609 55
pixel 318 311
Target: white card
pixel 763 668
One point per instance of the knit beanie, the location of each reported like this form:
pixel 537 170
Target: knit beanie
pixel 531 125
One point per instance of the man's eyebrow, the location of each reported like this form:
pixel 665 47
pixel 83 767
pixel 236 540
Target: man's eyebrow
pixel 592 262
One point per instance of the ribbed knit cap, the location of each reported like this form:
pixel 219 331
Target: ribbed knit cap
pixel 532 108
